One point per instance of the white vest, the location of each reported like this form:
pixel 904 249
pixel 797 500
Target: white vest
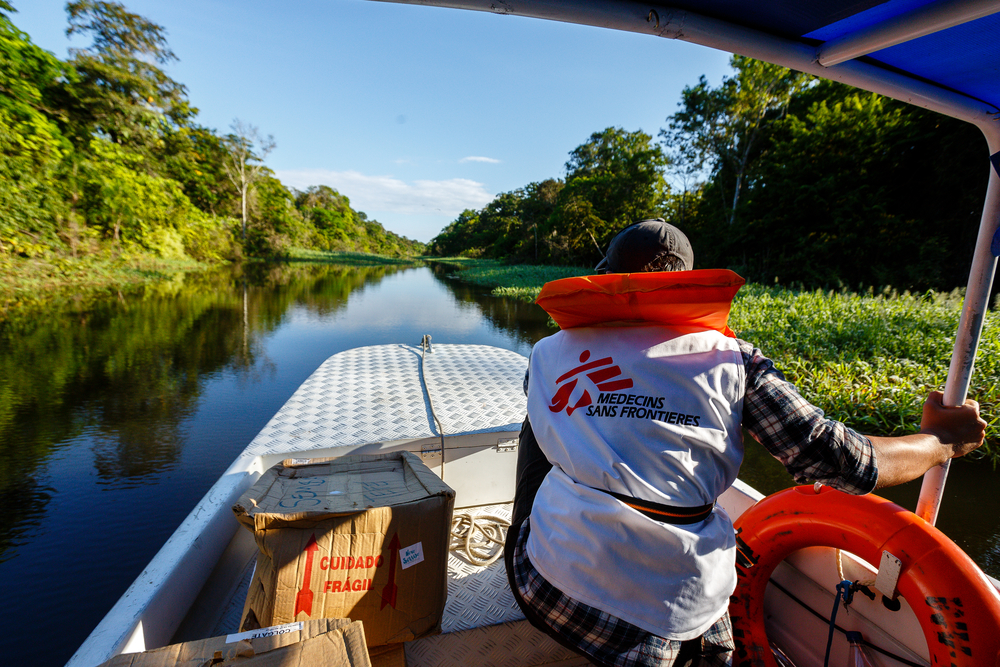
pixel 652 413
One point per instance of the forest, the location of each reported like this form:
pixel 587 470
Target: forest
pixel 103 155
pixel 782 177
pixel 779 176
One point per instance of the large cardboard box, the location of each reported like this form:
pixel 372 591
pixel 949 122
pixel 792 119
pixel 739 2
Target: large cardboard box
pixel 390 655
pixel 361 537
pixel 331 642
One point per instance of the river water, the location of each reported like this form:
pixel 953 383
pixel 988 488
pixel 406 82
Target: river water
pixel 116 416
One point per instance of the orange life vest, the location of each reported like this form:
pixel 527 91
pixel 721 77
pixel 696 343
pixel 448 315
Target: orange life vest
pixel 697 299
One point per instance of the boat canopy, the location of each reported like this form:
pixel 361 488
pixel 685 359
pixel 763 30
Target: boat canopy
pixel 942 55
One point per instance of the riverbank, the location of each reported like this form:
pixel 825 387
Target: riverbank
pixel 868 359
pixel 29 283
pixel 345 258
pixel 514 281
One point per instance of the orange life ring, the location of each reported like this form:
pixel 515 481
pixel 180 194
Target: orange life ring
pixel 957 606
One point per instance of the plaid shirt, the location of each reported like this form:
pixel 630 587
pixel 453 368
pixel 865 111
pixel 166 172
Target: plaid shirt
pixel 605 639
pixel 811 447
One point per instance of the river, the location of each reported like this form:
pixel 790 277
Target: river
pixel 117 415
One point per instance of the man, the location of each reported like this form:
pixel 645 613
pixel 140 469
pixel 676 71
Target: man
pixel 617 549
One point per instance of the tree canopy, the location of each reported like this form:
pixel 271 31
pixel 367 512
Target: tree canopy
pixel 103 153
pixel 614 177
pixel 777 175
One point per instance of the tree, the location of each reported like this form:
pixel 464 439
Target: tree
pixel 121 93
pixel 612 180
pixel 330 214
pixel 132 206
pixel 723 128
pixel 844 202
pixel 456 238
pixel 32 146
pixel 247 150
pixel 538 205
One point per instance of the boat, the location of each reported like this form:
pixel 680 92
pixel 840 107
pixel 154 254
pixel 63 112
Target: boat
pixel 459 408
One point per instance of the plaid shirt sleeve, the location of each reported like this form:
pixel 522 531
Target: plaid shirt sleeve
pixel 811 447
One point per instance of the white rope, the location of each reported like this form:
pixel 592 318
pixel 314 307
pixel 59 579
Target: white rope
pixel 840 571
pixel 485 549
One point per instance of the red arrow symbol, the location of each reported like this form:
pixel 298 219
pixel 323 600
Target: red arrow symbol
pixel 304 599
pixel 389 592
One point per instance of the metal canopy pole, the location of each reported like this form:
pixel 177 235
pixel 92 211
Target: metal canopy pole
pixel 923 21
pixel 970 326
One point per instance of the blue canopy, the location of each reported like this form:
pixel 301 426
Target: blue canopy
pixel 964 57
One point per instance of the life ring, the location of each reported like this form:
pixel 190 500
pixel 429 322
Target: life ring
pixel 957 606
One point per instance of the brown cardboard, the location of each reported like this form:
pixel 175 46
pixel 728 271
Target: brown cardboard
pixel 390 655
pixel 362 537
pixel 331 642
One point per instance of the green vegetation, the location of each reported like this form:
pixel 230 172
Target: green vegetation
pixel 28 284
pixel 344 258
pixel 867 359
pixel 518 281
pixel 614 178
pixel 104 168
pixel 779 176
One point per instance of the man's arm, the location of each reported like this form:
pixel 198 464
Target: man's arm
pixel 945 433
pixel 814 448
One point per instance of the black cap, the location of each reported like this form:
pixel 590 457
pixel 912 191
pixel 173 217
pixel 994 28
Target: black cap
pixel 640 244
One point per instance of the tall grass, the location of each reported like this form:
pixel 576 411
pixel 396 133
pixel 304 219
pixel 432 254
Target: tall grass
pixel 867 359
pixel 870 359
pixel 516 281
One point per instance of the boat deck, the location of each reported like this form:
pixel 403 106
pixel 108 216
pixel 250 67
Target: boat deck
pixel 458 407
pixel 482 625
pixel 399 396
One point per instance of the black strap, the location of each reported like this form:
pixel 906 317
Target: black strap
pixel 666 513
pixel 533 466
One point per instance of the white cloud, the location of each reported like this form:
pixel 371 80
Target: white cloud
pixel 476 158
pixel 386 193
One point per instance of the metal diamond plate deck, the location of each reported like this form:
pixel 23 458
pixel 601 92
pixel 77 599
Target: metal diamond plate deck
pixel 482 625
pixel 473 391
pixel 229 622
pixel 479 596
pixel 375 394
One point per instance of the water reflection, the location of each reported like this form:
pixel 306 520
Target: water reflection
pixel 525 320
pixel 129 371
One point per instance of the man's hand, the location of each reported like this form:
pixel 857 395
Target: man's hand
pixel 945 433
pixel 959 428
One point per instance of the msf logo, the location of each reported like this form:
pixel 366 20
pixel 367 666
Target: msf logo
pixel 602 372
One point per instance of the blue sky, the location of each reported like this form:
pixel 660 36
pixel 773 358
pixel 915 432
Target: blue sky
pixel 414 113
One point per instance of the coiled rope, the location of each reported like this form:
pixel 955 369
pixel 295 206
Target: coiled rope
pixel 478 538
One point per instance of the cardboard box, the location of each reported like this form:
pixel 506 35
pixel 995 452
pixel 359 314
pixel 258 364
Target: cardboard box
pixel 361 537
pixel 333 642
pixel 390 655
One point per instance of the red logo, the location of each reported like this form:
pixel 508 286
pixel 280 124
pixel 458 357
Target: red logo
pixel 602 373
